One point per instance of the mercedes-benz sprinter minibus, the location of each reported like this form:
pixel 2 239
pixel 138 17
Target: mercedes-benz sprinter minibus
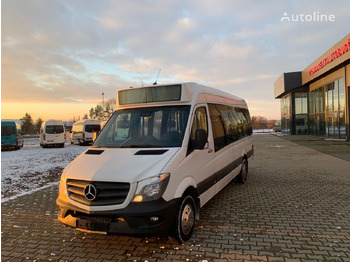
pixel 82 132
pixel 52 133
pixel 164 153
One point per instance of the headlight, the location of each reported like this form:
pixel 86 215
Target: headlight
pixel 151 188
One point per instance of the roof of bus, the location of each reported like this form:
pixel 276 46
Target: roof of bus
pixel 190 92
pixel 19 122
pixel 93 121
pixel 53 121
pixel 8 121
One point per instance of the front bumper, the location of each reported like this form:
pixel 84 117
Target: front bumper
pixel 135 219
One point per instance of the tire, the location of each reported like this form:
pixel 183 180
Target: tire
pixel 243 174
pixel 185 219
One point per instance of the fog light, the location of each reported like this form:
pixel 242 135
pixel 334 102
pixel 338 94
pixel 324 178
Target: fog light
pixel 154 219
pixel 138 198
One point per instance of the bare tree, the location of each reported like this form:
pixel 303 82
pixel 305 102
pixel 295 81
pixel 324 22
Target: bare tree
pixel 259 122
pixel 103 112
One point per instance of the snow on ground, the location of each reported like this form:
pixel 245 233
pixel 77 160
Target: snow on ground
pixel 32 167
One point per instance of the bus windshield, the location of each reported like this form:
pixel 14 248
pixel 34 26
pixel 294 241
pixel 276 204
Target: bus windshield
pixel 145 128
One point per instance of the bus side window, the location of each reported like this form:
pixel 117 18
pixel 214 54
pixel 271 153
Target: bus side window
pixel 199 122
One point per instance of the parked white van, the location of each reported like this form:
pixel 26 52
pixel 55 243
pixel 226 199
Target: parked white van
pixel 164 153
pixel 82 132
pixel 52 133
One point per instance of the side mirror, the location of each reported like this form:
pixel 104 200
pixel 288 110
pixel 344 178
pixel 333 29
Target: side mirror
pixel 200 139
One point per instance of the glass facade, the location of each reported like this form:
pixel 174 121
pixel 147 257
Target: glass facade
pixel 320 112
pixel 335 109
pixel 316 112
pixel 327 110
pixel 301 113
pixel 316 100
pixel 286 114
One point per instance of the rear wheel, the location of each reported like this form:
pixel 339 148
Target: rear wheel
pixel 243 175
pixel 185 219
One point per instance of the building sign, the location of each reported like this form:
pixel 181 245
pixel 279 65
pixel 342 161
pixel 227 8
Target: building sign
pixel 331 57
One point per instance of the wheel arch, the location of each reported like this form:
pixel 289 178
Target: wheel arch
pixel 195 194
pixel 188 186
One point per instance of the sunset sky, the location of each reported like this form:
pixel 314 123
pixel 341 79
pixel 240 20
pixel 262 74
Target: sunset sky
pixel 57 57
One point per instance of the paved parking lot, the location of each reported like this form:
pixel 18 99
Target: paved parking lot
pixel 295 207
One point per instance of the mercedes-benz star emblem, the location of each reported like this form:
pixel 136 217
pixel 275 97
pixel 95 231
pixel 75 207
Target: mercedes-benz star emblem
pixel 90 192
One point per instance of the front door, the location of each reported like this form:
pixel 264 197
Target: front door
pixel 199 164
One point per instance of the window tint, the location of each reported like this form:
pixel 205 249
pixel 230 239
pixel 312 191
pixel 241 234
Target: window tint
pixel 92 128
pixel 229 124
pixel 56 129
pixel 218 127
pixel 8 130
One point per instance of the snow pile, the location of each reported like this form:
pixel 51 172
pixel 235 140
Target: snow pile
pixel 32 167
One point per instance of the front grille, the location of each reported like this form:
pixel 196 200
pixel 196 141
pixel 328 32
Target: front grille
pixel 107 193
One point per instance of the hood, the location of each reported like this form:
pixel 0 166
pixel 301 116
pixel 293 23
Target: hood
pixel 119 164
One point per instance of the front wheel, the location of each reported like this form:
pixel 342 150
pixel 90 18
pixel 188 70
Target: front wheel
pixel 185 219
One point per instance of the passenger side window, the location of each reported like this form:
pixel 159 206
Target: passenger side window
pixel 218 126
pixel 199 122
pixel 229 124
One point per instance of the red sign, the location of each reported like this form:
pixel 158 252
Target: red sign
pixel 334 55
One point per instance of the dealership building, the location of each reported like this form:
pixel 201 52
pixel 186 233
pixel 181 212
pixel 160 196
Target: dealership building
pixel 315 101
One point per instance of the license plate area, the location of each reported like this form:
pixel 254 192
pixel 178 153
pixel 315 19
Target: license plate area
pixel 92 226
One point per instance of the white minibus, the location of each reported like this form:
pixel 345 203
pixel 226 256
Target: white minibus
pixel 52 133
pixel 164 153
pixel 82 132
